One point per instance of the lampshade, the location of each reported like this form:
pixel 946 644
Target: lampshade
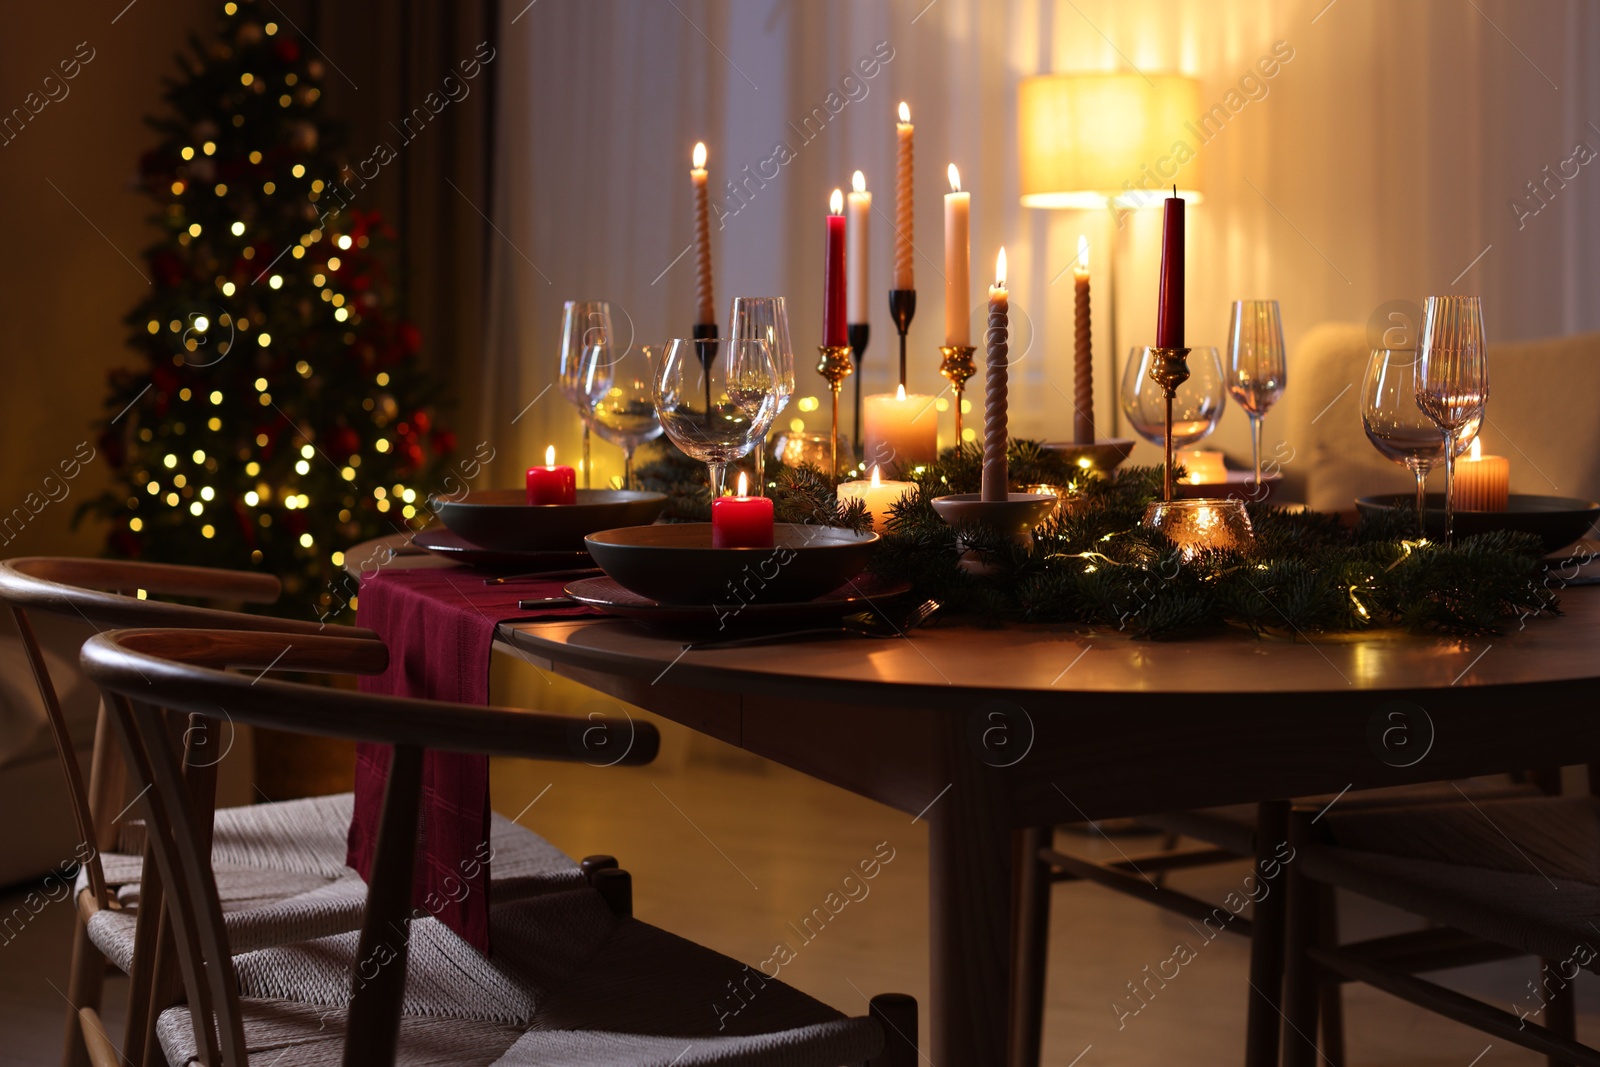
pixel 1087 137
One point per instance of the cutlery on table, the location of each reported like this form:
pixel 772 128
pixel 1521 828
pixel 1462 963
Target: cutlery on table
pixel 862 624
pixel 534 576
pixel 536 603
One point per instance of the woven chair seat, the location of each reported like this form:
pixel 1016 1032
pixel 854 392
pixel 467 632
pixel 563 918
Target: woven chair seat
pixel 570 983
pixel 1521 872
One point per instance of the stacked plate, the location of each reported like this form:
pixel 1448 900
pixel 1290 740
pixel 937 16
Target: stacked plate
pixel 498 528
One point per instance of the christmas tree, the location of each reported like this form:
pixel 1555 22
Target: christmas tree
pixel 279 413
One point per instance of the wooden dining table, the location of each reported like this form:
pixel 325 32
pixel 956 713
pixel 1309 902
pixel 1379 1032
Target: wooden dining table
pixel 983 734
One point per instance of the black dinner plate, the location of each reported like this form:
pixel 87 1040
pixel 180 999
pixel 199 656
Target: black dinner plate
pixel 1557 520
pixel 450 545
pixel 732 617
pixel 503 520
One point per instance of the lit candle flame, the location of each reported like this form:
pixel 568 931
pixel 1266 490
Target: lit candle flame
pixel 858 182
pixel 1476 451
pixel 836 202
pixel 550 456
pixel 955 179
pixel 900 393
pixel 876 481
pixel 905 112
pixel 700 155
pixel 744 486
pixel 1083 253
pixel 1000 269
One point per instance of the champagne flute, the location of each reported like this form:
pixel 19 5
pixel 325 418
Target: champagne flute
pixel 1452 379
pixel 764 318
pixel 716 412
pixel 1196 409
pixel 583 323
pixel 1394 423
pixel 1256 368
pixel 621 391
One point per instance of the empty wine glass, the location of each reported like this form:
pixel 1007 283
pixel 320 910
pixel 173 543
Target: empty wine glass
pixel 583 323
pixel 1396 426
pixel 1452 378
pixel 621 391
pixel 764 318
pixel 1196 409
pixel 716 412
pixel 1256 364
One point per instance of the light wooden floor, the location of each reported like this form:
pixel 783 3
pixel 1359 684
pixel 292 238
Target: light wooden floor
pixel 734 852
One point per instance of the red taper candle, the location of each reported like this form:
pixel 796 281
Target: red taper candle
pixel 835 331
pixel 1169 311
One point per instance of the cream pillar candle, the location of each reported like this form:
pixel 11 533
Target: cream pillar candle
pixel 957 262
pixel 900 432
pixel 903 218
pixel 994 390
pixel 878 496
pixel 858 214
pixel 1483 483
pixel 705 307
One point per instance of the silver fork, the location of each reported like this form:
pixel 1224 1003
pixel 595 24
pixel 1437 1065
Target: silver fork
pixel 862 624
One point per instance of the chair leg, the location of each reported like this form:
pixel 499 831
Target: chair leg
pixel 1031 950
pixel 85 983
pixel 1301 999
pixel 1262 1027
pixel 1330 998
pixel 897 1014
pixel 1560 1010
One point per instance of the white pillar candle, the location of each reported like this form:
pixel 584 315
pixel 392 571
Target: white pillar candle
pixel 858 213
pixel 900 431
pixel 957 262
pixel 877 494
pixel 1202 467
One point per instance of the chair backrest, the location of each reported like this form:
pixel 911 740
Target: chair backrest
pixel 143 671
pixel 108 593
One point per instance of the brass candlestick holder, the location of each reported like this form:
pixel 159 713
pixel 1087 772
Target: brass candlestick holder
pixel 1169 370
pixel 957 367
pixel 835 366
pixel 902 307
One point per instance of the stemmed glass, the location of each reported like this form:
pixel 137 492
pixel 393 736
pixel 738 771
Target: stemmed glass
pixel 1452 378
pixel 716 413
pixel 621 392
pixel 584 323
pixel 1256 369
pixel 1396 426
pixel 764 318
pixel 1196 409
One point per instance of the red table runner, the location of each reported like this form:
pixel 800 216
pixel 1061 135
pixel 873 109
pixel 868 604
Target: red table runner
pixel 439 625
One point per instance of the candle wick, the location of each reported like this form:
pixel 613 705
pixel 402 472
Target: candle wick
pixel 1174 188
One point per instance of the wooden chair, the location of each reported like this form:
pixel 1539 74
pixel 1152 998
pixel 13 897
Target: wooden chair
pixel 281 865
pixel 1496 879
pixel 611 989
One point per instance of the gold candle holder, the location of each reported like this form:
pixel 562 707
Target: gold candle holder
pixel 835 365
pixel 957 367
pixel 1169 370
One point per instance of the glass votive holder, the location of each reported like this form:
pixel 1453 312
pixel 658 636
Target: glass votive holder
pixel 816 449
pixel 1202 523
pixel 1064 495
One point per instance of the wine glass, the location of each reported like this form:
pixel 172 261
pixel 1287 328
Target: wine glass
pixel 1396 426
pixel 621 392
pixel 716 412
pixel 1452 378
pixel 764 318
pixel 1196 409
pixel 583 323
pixel 1256 368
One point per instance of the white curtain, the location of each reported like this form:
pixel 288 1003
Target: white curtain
pixel 1383 162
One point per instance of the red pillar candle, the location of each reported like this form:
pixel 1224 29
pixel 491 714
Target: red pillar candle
pixel 551 484
pixel 834 328
pixel 1169 312
pixel 742 521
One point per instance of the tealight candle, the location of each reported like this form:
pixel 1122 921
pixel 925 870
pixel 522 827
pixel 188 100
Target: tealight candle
pixel 551 484
pixel 1204 468
pixel 742 521
pixel 901 431
pixel 1483 483
pixel 877 494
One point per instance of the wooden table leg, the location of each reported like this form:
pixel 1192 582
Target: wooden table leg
pixel 969 860
pixel 1265 1020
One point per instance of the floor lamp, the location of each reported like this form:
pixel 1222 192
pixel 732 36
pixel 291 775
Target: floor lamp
pixel 1108 142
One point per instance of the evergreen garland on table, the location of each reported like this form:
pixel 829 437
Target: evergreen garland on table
pixel 1095 563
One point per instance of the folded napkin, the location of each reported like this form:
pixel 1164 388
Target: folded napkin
pixel 439 625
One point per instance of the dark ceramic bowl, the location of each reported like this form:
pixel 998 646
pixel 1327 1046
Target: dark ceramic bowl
pixel 675 563
pixel 503 520
pixel 1557 520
